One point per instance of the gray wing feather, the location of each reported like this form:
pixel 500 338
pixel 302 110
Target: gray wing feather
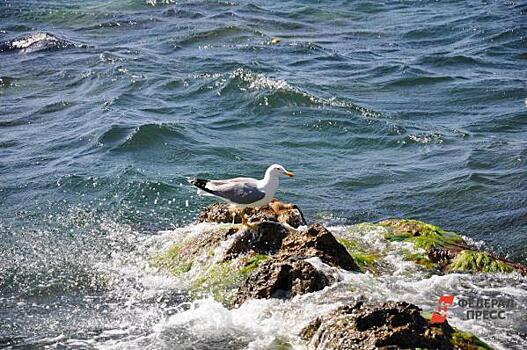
pixel 239 190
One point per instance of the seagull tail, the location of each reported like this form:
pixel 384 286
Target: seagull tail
pixel 201 184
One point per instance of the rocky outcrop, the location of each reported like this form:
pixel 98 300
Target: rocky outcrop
pixel 291 271
pixel 390 325
pixel 317 241
pixel 275 258
pixel 265 238
pixel 446 251
pixel 281 257
pixel 283 280
pixel 275 211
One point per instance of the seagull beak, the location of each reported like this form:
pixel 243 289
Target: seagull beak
pixel 289 173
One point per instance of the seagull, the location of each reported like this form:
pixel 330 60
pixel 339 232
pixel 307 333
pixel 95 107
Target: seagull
pixel 244 192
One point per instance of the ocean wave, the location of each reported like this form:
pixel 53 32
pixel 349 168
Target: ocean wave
pixel 439 60
pixel 279 92
pixel 36 42
pixel 144 136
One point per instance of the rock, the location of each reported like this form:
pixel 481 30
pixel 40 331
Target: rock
pixel 469 260
pixel 282 280
pixel 422 235
pixel 393 325
pixel 445 251
pixel 288 273
pixel 275 211
pixel 266 239
pixel 317 241
pixel 441 255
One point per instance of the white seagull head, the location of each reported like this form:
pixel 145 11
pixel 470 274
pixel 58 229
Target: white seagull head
pixel 276 170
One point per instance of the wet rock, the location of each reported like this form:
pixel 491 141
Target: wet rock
pixel 317 241
pixel 393 325
pixel 266 238
pixel 441 255
pixel 275 211
pixel 472 261
pixel 421 234
pixel 282 280
pixel 289 272
pixel 446 251
pixel 219 213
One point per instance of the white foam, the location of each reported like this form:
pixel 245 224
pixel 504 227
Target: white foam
pixel 258 323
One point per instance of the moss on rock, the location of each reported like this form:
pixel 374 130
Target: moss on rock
pixel 460 339
pixel 367 261
pixel 421 234
pixel 222 279
pixel 466 340
pixel 471 261
pixel 419 258
pixel 172 261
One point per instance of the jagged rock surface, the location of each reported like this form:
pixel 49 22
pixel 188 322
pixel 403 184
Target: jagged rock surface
pixel 390 325
pixel 275 211
pixel 275 279
pixel 289 273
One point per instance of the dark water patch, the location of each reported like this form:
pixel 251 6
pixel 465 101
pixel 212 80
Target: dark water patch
pixel 182 13
pixel 6 82
pixel 55 107
pixel 26 119
pixel 316 14
pixel 514 36
pixel 274 25
pixel 17 28
pixel 122 23
pixel 505 155
pixel 509 122
pixel 440 60
pixel 227 33
pixel 418 81
pixel 8 144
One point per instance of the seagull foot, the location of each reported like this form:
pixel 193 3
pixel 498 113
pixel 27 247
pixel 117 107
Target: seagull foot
pixel 245 222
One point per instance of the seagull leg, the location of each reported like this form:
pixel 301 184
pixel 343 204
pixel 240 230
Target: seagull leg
pixel 244 221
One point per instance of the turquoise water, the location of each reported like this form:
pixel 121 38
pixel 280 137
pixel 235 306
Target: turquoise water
pixel 382 108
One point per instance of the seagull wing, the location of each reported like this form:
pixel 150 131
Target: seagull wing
pixel 239 190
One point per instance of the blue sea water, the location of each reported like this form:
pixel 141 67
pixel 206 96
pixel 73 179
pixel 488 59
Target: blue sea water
pixel 411 109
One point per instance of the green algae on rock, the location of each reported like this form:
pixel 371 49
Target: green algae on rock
pixel 367 261
pixel 222 279
pixel 421 234
pixel 469 260
pixel 172 261
pixel 465 340
pixel 446 251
